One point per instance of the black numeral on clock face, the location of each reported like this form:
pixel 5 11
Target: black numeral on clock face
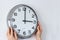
pixel 24 33
pixel 15 26
pixel 19 10
pixel 15 14
pixel 29 11
pixel 18 30
pixel 32 15
pixel 12 19
pixel 29 31
pixel 24 8
pixel 34 21
pixel 33 27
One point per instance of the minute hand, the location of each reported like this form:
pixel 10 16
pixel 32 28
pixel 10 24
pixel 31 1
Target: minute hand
pixel 25 14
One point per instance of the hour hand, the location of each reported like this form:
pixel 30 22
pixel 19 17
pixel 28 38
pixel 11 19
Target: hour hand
pixel 27 21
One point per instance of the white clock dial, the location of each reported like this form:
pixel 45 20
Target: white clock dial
pixel 23 20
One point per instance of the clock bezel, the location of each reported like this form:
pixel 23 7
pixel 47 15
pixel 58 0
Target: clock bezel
pixel 10 15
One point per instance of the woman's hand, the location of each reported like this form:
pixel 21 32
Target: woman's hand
pixel 39 32
pixel 11 34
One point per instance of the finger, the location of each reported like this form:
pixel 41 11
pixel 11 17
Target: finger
pixel 11 31
pixel 38 23
pixel 37 29
pixel 40 27
pixel 15 34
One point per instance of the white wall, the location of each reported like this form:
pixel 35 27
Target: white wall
pixel 48 12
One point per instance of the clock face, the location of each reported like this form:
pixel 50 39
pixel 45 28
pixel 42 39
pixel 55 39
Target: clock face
pixel 23 20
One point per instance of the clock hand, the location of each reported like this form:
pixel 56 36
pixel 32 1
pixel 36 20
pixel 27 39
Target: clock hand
pixel 24 15
pixel 27 21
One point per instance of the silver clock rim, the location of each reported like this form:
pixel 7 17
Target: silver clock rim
pixel 10 14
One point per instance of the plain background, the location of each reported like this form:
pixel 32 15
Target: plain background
pixel 48 12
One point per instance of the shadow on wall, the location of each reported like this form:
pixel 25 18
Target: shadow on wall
pixel 44 29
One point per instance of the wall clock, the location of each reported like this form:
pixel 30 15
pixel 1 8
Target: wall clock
pixel 23 20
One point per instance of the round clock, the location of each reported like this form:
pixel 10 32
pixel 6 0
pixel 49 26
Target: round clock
pixel 23 20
